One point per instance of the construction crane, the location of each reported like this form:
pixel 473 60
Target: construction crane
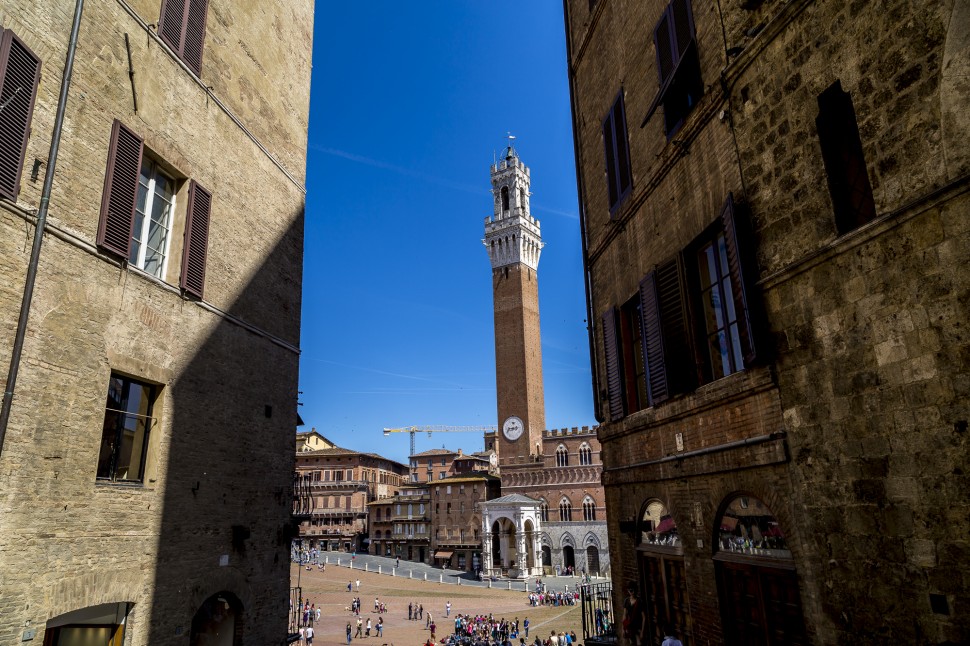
pixel 437 429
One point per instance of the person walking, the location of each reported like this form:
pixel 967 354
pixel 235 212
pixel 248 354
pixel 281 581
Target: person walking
pixel 433 626
pixel 349 631
pixel 670 640
pixel 358 585
pixel 367 628
pixel 360 628
pixel 309 636
pixel 448 609
pixel 525 624
pixel 380 626
pixel 410 611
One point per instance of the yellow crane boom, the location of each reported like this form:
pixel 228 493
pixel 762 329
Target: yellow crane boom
pixel 442 428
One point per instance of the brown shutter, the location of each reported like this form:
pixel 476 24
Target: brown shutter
pixel 614 381
pixel 653 352
pixel 171 25
pixel 120 190
pixel 19 78
pixel 196 240
pixel 182 26
pixel 679 362
pixel 672 36
pixel 195 34
pixel 738 287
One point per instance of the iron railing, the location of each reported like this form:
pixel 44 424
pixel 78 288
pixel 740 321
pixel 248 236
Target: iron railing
pixel 597 608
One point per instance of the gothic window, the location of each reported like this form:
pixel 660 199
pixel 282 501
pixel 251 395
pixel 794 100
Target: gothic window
pixel 562 456
pixel 505 198
pixel 543 510
pixel 585 454
pixel 565 510
pixel 589 509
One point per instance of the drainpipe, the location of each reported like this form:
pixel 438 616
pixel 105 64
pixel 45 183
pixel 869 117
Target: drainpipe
pixel 45 196
pixel 580 187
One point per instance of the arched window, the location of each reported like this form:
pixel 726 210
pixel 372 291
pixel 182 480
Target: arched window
pixel 543 510
pixel 378 513
pixel 589 509
pixel 505 198
pixel 751 572
pixel 562 456
pixel 521 198
pixel 585 454
pixel 565 510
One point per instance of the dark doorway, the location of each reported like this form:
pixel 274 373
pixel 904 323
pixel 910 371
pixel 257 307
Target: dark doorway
pixel 760 605
pixel 568 557
pixel 218 621
pixel 547 556
pixel 592 561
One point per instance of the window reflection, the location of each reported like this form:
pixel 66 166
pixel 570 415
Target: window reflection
pixel 748 527
pixel 657 527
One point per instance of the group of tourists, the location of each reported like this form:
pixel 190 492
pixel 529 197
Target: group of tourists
pixel 486 630
pixel 564 598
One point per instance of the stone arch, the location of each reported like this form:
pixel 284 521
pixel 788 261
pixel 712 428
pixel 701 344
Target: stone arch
pixel 567 540
pixel 656 525
pixel 955 91
pixel 591 540
pixel 218 620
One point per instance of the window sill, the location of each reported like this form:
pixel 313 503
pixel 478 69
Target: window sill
pixel 113 484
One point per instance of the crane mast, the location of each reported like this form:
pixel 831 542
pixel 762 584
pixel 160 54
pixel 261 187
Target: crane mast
pixel 442 428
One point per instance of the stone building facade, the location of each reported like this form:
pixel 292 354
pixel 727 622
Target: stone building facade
pixel 146 468
pixel 560 469
pixel 774 208
pixel 342 483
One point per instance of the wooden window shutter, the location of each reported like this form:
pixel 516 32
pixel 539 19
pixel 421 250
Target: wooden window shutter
pixel 196 240
pixel 672 36
pixel 614 372
pixel 19 78
pixel 182 26
pixel 678 350
pixel 653 352
pixel 120 190
pixel 738 287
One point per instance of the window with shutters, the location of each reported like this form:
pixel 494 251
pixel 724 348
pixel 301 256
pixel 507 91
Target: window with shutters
pixel 182 27
pixel 19 78
pixel 138 209
pixel 678 66
pixel 618 175
pixel 845 163
pixel 128 423
pixel 695 319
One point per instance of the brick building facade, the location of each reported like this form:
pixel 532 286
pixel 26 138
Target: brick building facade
pixel 400 526
pixel 773 198
pixel 146 468
pixel 342 484
pixel 456 520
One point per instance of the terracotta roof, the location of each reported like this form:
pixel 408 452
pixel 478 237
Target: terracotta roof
pixel 434 452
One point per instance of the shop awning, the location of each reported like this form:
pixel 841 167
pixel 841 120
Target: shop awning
pixel 441 554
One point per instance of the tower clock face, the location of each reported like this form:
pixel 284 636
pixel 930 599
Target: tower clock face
pixel 512 428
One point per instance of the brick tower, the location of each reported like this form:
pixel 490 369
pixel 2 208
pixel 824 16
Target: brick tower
pixel 514 243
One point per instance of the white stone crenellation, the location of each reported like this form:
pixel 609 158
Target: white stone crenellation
pixel 512 235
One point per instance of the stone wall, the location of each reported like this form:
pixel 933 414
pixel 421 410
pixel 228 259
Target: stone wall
pixel 213 512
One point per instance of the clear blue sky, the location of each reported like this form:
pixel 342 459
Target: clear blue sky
pixel 408 107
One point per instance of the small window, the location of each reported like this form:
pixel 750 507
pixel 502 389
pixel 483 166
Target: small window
pixel 678 66
pixel 448 508
pixel 19 78
pixel 505 198
pixel 631 344
pixel 845 163
pixel 150 232
pixel 448 490
pixel 618 177
pixel 182 26
pixel 128 424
